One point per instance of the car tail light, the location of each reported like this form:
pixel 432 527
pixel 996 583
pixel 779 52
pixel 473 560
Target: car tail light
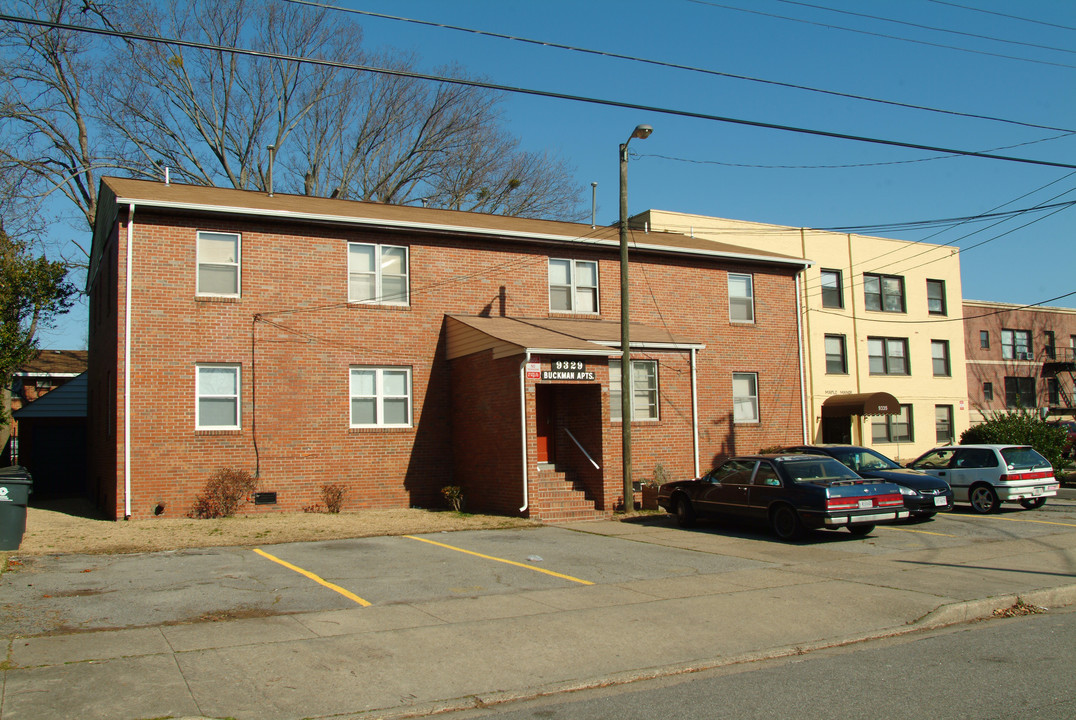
pixel 843 503
pixel 852 503
pixel 1011 477
pixel 893 500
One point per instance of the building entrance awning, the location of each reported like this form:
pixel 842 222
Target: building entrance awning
pixel 876 403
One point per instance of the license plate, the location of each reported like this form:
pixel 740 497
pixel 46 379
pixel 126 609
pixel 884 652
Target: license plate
pixel 866 504
pixel 1036 491
pixel 939 500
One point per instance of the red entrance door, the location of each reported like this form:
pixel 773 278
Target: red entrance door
pixel 545 409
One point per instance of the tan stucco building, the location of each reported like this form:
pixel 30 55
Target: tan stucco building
pixel 882 326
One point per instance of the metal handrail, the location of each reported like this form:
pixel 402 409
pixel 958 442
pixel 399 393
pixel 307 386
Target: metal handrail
pixel 582 449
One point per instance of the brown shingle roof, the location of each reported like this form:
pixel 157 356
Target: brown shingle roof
pixel 56 362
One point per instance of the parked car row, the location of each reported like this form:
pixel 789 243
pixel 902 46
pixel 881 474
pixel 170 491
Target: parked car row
pixel 809 487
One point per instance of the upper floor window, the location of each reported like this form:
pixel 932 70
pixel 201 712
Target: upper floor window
pixel 984 339
pixel 988 391
pixel 832 289
pixel 836 359
pixel 888 356
pixel 936 297
pixel 745 397
pixel 573 286
pixel 218 264
pixel 217 397
pixel 1048 347
pixel 380 397
pixel 377 274
pixel 884 293
pixel 741 298
pixel 1016 344
pixel 644 390
pixel 939 353
pixel 1020 392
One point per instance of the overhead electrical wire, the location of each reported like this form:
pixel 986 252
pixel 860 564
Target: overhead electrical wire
pixel 1001 14
pixel 528 91
pixel 881 35
pixel 675 66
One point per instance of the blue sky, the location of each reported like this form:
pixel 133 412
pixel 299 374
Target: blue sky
pixel 728 170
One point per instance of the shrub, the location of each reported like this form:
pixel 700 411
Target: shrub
pixel 454 495
pixel 223 492
pixel 1021 427
pixel 333 495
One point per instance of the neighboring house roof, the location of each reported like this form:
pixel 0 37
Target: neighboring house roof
pixel 116 192
pixel 66 401
pixel 508 336
pixel 59 363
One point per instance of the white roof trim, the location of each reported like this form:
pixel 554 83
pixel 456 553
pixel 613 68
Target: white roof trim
pixel 436 227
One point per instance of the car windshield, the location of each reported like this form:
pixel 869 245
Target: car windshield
pixel 1023 458
pixel 812 469
pixel 863 459
pixel 935 458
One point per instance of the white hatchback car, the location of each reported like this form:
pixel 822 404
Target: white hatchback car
pixel 988 475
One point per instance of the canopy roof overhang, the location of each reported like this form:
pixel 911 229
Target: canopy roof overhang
pixel 876 403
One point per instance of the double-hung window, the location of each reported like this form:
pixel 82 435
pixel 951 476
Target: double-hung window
pixel 836 359
pixel 377 274
pixel 1020 392
pixel 1049 349
pixel 936 297
pixel 939 353
pixel 573 286
pixel 380 397
pixel 745 397
pixel 741 298
pixel 984 339
pixel 218 264
pixel 1015 344
pixel 893 428
pixel 884 293
pixel 217 396
pixel 832 289
pixel 888 356
pixel 644 390
pixel 943 423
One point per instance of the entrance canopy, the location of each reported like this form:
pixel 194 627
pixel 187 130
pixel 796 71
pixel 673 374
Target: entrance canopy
pixel 876 403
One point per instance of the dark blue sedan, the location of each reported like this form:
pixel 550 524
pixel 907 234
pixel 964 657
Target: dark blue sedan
pixel 924 495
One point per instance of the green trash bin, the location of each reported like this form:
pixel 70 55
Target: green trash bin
pixel 15 488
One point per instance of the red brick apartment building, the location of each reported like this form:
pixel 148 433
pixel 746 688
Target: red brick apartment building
pixel 1020 357
pixel 397 350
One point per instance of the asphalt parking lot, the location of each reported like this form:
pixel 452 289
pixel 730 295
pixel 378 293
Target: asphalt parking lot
pixel 63 594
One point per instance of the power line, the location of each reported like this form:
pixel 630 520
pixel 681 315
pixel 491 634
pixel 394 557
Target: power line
pixel 1000 14
pixel 531 91
pixel 881 35
pixel 675 66
pixel 926 27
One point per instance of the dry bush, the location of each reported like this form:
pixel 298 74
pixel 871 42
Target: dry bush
pixel 333 495
pixel 223 492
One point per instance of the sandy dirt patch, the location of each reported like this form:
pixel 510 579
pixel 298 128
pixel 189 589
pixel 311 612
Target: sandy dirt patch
pixel 73 526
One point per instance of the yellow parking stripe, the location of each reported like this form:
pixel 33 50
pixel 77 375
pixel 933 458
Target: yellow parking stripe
pixel 497 559
pixel 346 593
pixel 1040 522
pixel 921 532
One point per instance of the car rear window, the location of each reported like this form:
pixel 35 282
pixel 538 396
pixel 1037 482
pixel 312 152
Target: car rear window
pixel 1023 458
pixel 809 469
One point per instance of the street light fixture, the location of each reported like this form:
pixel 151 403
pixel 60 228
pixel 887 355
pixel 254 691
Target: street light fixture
pixel 642 132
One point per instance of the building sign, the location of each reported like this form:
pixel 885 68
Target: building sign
pixel 534 371
pixel 568 370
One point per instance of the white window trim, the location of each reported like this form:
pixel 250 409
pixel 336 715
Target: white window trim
pixel 750 297
pixel 378 291
pixel 574 286
pixel 758 409
pixel 615 386
pixel 379 395
pixel 238 264
pixel 198 397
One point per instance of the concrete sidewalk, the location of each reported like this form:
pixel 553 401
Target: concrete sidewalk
pixel 408 659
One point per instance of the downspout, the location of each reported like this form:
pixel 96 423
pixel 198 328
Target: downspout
pixel 803 397
pixel 523 426
pixel 127 369
pixel 695 412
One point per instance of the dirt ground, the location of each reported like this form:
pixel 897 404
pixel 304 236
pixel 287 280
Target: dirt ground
pixel 73 526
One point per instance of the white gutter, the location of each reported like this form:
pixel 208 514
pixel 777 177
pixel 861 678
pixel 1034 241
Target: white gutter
pixel 523 425
pixel 455 229
pixel 799 339
pixel 127 370
pixel 695 412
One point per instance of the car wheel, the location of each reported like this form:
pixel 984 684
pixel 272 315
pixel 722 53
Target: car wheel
pixel 1033 503
pixel 786 523
pixel 983 499
pixel 685 513
pixel 860 530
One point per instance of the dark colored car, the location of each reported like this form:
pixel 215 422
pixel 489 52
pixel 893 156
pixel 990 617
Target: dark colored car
pixel 792 493
pixel 924 494
pixel 1069 426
